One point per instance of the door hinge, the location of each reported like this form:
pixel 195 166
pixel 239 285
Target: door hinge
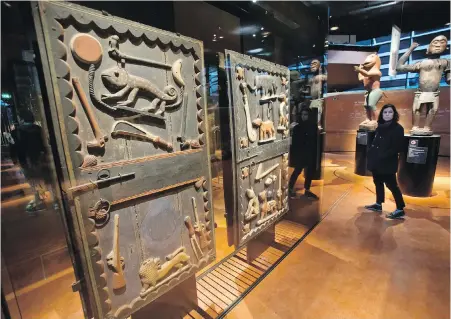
pixel 76 286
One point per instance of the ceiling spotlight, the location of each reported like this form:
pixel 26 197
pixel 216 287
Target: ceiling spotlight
pixel 221 37
pixel 253 35
pixel 330 16
pixel 449 23
pixel 214 35
pixel 334 28
pixel 214 39
pixel 262 28
pixel 314 45
pixel 254 1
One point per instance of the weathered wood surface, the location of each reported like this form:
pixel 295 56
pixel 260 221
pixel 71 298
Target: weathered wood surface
pixel 153 204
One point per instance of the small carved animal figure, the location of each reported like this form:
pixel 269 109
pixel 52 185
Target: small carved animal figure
pixel 266 84
pixel 152 272
pixel 267 130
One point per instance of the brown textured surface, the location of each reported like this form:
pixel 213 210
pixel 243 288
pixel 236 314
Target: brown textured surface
pixel 358 265
pixel 354 265
pixel 344 113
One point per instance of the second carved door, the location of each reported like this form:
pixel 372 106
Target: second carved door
pixel 257 125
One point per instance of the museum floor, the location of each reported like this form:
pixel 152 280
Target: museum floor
pixel 354 264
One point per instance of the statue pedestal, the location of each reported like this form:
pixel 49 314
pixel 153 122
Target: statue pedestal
pixel 417 164
pixel 363 142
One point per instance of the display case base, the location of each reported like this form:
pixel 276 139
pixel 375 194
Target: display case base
pixel 174 304
pixel 256 246
pixel 363 142
pixel 417 164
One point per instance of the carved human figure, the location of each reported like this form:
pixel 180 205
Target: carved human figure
pixel 316 88
pixel 431 71
pixel 370 73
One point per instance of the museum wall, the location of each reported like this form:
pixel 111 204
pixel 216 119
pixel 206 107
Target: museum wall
pixel 344 112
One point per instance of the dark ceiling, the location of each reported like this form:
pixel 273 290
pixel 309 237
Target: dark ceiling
pixel 370 19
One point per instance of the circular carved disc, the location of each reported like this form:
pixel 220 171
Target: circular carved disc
pixel 86 48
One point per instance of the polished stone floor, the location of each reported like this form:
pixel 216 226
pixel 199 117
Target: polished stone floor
pixel 353 265
pixel 357 264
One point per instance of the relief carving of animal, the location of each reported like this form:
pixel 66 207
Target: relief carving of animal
pixel 129 86
pixel 266 129
pixel 153 274
pixel 265 83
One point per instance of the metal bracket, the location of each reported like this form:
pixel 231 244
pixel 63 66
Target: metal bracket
pixel 76 286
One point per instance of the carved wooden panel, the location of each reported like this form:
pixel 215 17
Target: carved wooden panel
pixel 130 102
pixel 256 173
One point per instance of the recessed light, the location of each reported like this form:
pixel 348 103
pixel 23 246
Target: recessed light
pixel 253 35
pixel 221 37
pixel 214 35
pixel 334 28
pixel 330 16
pixel 449 23
pixel 314 45
pixel 254 1
pixel 262 28
pixel 214 40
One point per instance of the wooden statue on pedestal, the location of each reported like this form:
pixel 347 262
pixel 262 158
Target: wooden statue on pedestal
pixel 431 71
pixel 370 74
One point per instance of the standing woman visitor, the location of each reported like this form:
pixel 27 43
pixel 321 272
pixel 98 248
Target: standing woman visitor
pixel 383 159
pixel 303 151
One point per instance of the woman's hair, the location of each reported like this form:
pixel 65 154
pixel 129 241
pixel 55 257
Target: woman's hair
pixel 380 119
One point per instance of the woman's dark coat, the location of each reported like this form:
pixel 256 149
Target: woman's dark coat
pixel 383 152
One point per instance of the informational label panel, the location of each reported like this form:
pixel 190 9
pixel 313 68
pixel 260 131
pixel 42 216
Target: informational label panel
pixel 416 154
pixel 130 107
pixel 362 138
pixel 256 177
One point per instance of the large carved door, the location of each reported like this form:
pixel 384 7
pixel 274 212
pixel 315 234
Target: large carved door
pixel 128 107
pixel 256 174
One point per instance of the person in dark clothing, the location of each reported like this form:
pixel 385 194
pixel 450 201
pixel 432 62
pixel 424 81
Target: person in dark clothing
pixel 303 148
pixel 383 159
pixel 29 151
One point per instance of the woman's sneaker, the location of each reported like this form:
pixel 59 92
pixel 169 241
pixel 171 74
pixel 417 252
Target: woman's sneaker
pixel 375 207
pixel 397 214
pixel 310 195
